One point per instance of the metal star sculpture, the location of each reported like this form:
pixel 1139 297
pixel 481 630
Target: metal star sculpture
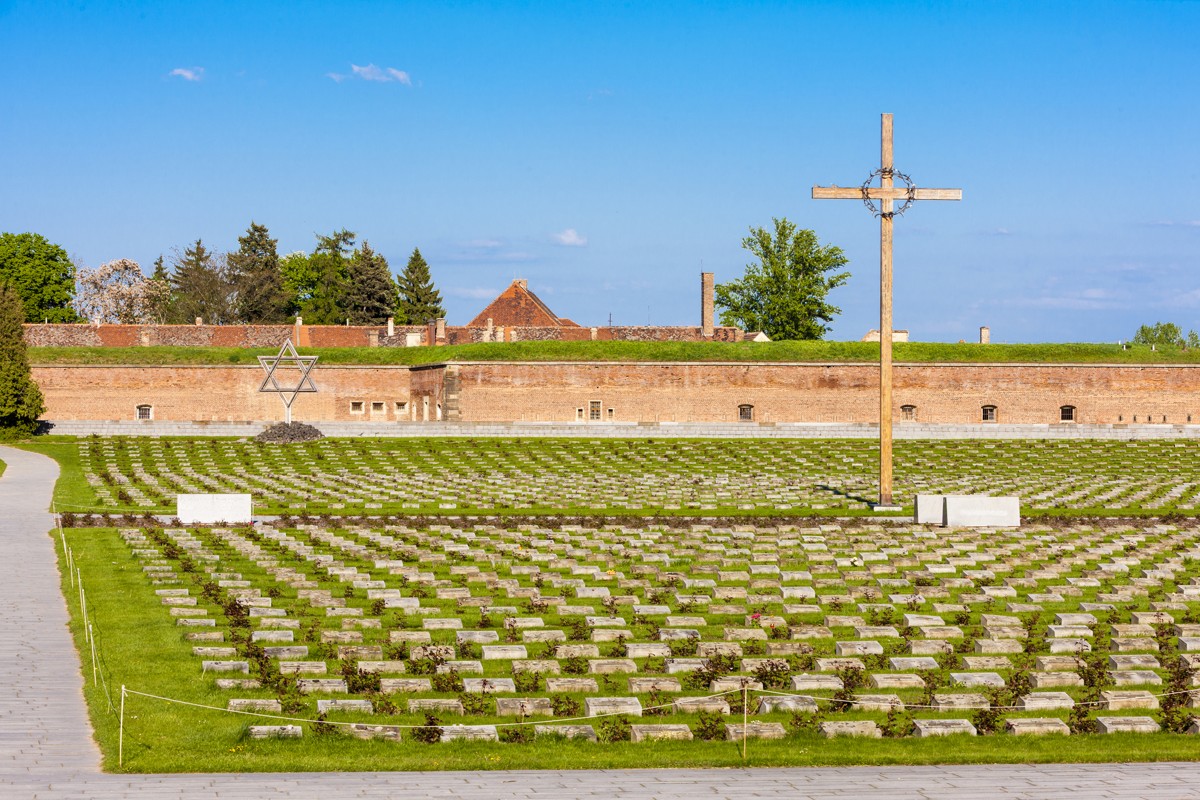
pixel 287 357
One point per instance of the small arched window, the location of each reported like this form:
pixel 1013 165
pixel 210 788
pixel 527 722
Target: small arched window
pixel 988 414
pixel 1067 414
pixel 745 413
pixel 908 413
pixel 145 412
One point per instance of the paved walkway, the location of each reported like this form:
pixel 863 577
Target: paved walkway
pixel 46 749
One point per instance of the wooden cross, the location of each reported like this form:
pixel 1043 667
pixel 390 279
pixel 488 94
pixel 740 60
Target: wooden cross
pixel 887 194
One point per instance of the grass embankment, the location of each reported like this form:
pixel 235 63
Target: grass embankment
pixel 819 351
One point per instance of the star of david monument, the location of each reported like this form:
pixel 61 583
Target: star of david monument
pixel 291 363
pixel 887 193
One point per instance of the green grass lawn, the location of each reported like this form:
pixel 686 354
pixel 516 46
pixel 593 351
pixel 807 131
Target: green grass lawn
pixel 810 351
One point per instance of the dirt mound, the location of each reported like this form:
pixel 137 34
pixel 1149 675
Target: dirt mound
pixel 289 433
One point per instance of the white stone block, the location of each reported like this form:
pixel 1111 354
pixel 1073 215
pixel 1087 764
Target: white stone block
pixel 929 509
pixel 978 511
pixel 208 509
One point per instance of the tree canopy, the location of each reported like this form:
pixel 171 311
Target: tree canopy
pixel 371 290
pixel 256 279
pixel 1165 334
pixel 41 274
pixel 21 401
pixel 200 287
pixel 119 292
pixel 419 300
pixel 784 293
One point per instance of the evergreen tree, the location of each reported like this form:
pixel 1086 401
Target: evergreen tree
pixel 201 287
pixel 257 282
pixel 21 401
pixel 160 306
pixel 419 300
pixel 371 290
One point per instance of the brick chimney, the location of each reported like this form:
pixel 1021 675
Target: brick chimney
pixel 706 304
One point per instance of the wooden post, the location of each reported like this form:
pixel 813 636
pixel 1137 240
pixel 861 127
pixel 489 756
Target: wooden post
pixel 887 194
pixel 121 731
pixel 886 166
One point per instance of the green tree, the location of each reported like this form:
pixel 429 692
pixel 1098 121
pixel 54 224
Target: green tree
pixel 200 287
pixel 420 301
pixel 784 293
pixel 160 305
pixel 299 279
pixel 41 274
pixel 1160 334
pixel 21 401
pixel 371 291
pixel 256 279
pixel 328 267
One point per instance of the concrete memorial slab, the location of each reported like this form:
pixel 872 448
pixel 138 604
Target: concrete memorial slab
pixel 213 509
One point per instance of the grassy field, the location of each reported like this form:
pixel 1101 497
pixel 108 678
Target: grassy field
pixel 142 647
pixel 816 351
pixel 620 477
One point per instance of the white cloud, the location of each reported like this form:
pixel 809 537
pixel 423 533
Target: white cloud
pixel 193 74
pixel 373 73
pixel 570 238
pixel 1172 223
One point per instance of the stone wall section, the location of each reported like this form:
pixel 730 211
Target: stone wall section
pixel 648 392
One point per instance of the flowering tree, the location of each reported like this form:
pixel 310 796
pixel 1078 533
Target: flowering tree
pixel 118 292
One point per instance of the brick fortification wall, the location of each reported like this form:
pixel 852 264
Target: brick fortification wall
pixel 638 392
pixel 940 393
pixel 220 394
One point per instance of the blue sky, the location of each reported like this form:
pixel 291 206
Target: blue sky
pixel 609 152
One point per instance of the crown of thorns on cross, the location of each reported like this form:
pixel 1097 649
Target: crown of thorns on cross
pixel 288 358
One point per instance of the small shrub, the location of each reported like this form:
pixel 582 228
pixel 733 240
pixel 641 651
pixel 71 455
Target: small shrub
pixel 449 681
pixel 575 665
pixel 430 732
pixel 474 703
pixel 577 630
pixel 322 728
pixel 564 705
pixel 516 734
pixel 987 720
pixel 527 681
pixel 805 721
pixel 614 729
pixel 685 648
pixel 1079 719
pixel 710 726
pixel 357 680
pixel 899 723
pixel 773 673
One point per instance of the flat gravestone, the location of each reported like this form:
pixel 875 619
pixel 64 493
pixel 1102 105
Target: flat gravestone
pixel 865 728
pixel 649 733
pixel 951 702
pixel 1127 725
pixel 805 682
pixel 772 703
pixel 582 685
pixel 523 706
pixel 566 731
pixel 943 727
pixel 598 706
pixel 488 685
pixel 989 680
pixel 1036 726
pixel 645 685
pixel 1117 700
pixel 754 730
pixel 387 733
pixel 1046 701
pixel 694 705
pixel 275 731
pixel 480 733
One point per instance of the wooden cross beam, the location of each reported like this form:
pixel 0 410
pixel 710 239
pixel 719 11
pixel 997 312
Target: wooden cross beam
pixel 887 194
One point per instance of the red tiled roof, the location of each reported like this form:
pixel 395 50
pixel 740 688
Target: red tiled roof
pixel 518 307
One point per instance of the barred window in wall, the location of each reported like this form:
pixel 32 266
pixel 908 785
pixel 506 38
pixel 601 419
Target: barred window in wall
pixel 745 413
pixel 908 413
pixel 594 407
pixel 145 412
pixel 989 414
pixel 1066 414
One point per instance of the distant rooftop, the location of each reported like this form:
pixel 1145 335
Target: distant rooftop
pixel 518 307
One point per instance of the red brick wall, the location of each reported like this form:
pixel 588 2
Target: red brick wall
pixel 483 391
pixel 217 394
